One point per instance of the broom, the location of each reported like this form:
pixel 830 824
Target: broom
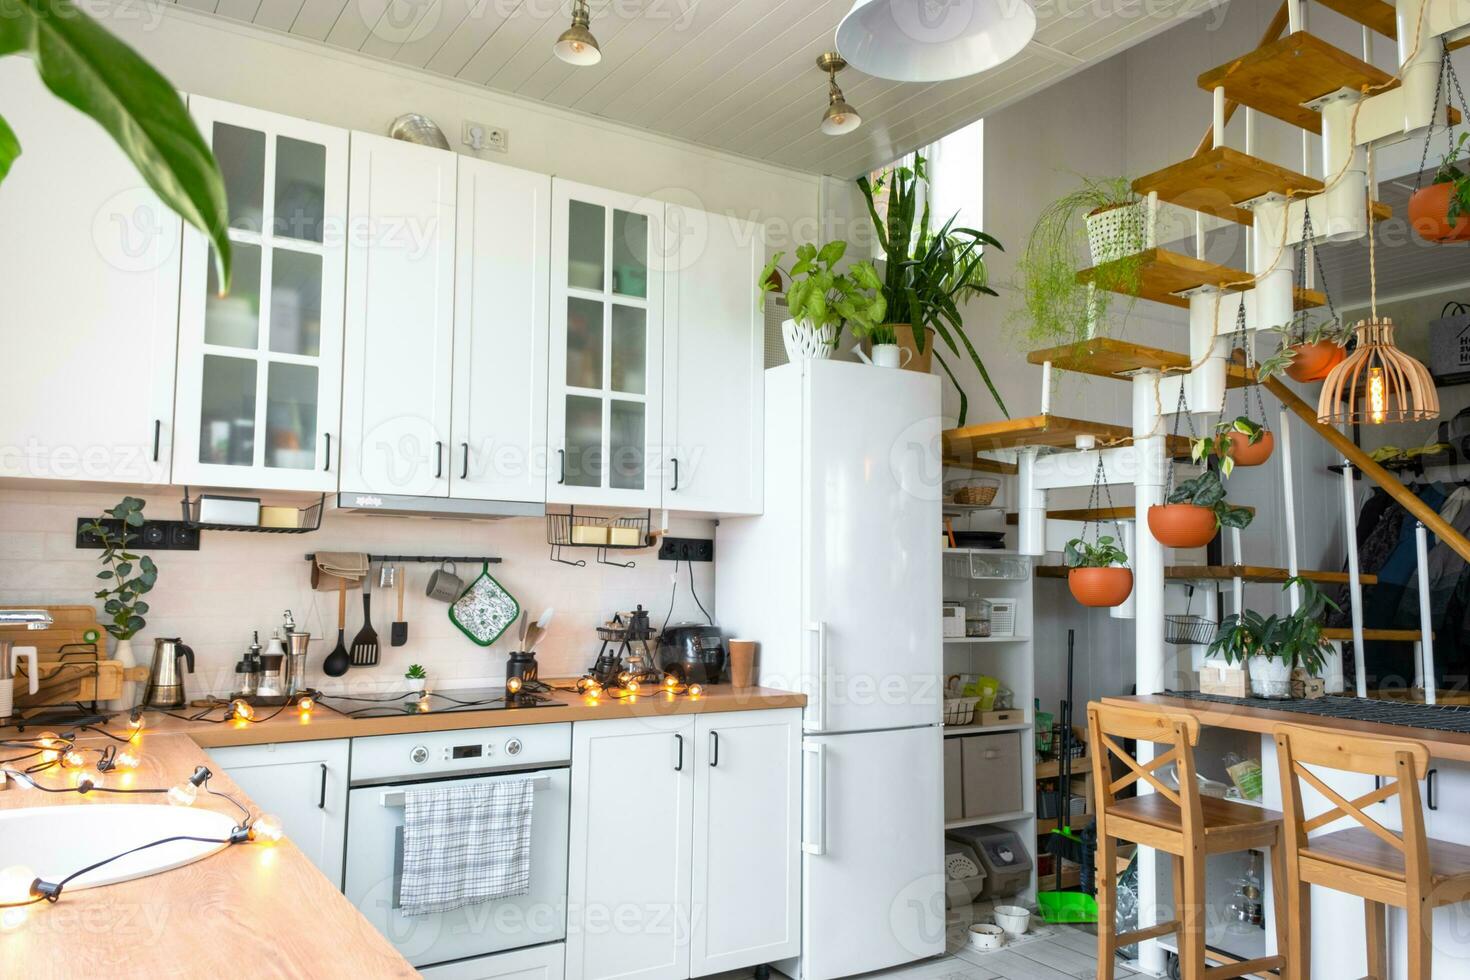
pixel 1064 844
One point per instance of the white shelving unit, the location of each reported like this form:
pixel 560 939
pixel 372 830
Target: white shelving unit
pixel 1009 658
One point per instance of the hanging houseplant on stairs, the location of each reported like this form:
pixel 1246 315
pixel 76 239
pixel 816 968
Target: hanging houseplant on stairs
pixel 1441 211
pixel 1097 573
pixel 1240 440
pixel 927 276
pixel 1196 509
pixel 1310 346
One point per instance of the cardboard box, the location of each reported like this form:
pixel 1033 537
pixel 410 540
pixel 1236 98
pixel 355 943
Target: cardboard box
pixel 1231 682
pixel 954 800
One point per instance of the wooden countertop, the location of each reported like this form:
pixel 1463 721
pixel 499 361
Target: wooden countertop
pixel 1452 746
pixel 325 722
pixel 264 910
pixel 250 909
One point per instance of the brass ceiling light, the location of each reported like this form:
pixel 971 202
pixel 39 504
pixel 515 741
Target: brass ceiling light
pixel 1377 383
pixel 577 46
pixel 840 117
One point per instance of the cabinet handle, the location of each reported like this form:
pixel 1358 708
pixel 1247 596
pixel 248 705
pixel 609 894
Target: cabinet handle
pixel 1431 789
pixel 327 466
pixel 438 460
pixel 714 749
pixel 157 434
pixel 464 471
pixel 818 811
pixel 563 477
pixel 679 743
pixel 321 802
pixel 676 473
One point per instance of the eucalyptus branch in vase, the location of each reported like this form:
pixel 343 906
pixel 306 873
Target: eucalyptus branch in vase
pixel 128 576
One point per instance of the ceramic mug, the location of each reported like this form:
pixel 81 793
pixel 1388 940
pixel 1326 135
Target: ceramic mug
pixel 444 584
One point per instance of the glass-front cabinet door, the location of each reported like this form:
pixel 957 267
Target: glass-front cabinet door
pixel 260 369
pixel 606 358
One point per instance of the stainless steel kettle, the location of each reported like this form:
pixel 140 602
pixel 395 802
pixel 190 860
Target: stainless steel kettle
pixel 165 680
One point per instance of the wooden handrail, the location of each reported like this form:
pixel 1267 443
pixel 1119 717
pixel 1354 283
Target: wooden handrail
pixel 1410 501
pixel 1272 32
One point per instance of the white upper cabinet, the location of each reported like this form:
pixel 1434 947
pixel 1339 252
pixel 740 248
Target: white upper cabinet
pixel 500 333
pixel 400 318
pixel 605 411
pixel 90 277
pixel 260 370
pixel 714 368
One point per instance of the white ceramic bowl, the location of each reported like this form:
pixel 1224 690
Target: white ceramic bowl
pixel 1013 919
pixel 986 936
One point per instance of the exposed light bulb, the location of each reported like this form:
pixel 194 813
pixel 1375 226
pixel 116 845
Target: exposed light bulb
pixel 695 690
pixel 136 724
pixel 513 685
pixel 49 740
pixel 584 682
pixel 267 829
pixel 1377 401
pixel 125 760
pixel 184 794
pixel 88 779
pixel 306 705
pixel 670 681
pixel 241 709
pixel 72 759
pixel 15 885
pixel 632 687
pixel 624 678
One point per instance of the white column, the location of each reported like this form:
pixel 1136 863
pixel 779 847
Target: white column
pixel 1419 59
pixel 1030 506
pixel 1426 618
pixel 1340 212
pixel 1355 585
pixel 1273 262
pixel 1289 496
pixel 1217 117
pixel 1210 326
pixel 1128 535
pixel 1046 388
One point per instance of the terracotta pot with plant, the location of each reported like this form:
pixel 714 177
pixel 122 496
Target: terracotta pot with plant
pixel 1441 211
pixel 1195 512
pixel 1096 573
pixel 1273 646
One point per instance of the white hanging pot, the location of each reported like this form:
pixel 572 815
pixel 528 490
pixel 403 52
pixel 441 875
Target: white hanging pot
pixel 1117 232
pixel 1270 677
pixel 807 343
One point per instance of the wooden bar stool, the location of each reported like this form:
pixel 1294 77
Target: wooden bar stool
pixel 1383 867
pixel 1180 823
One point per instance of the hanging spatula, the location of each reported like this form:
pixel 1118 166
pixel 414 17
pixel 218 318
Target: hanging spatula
pixel 399 634
pixel 337 661
pixel 365 643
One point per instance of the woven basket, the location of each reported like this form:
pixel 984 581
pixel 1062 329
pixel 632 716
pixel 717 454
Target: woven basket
pixel 977 495
pixel 959 711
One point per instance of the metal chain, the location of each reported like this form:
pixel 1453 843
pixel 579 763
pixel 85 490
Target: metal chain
pixel 1182 408
pixel 1240 338
pixel 1448 74
pixel 1099 482
pixel 1307 236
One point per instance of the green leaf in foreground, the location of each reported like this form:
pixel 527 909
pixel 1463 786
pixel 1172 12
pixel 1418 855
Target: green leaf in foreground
pixel 100 75
pixel 9 147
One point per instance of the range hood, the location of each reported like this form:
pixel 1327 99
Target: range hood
pixel 446 507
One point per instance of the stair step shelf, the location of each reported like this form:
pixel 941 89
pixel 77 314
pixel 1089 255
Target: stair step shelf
pixel 1165 274
pixel 1104 357
pixel 1046 431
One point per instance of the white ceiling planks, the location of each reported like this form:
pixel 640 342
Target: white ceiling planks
pixel 736 75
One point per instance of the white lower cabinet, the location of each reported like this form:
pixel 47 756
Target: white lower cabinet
pixel 684 851
pixel 536 963
pixel 302 783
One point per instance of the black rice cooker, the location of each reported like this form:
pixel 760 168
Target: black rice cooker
pixel 692 652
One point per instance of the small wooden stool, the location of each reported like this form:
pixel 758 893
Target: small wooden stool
pixel 1407 870
pixel 1181 823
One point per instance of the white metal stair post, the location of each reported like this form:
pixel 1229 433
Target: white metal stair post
pixel 1426 619
pixel 1355 584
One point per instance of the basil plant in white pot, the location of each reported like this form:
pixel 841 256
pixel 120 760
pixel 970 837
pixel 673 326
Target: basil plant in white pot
pixel 821 300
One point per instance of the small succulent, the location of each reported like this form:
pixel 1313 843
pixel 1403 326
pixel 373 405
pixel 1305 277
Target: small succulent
pixel 416 672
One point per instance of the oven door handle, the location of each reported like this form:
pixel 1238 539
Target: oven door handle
pixel 395 798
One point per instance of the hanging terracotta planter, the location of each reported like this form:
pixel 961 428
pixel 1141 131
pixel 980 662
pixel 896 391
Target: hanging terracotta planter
pixel 1100 587
pixel 1182 525
pixel 1313 361
pixel 1246 453
pixel 1429 209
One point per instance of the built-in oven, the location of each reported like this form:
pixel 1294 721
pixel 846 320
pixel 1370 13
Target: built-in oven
pixel 384 767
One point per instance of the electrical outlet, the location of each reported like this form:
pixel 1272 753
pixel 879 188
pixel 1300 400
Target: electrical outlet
pixel 152 536
pixel 182 537
pixel 478 136
pixel 687 549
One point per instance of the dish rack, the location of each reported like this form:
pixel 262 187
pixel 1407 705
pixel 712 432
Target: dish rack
pixel 564 530
pixel 959 711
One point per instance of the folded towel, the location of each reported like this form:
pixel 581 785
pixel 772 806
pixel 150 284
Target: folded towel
pixel 465 844
pixel 351 565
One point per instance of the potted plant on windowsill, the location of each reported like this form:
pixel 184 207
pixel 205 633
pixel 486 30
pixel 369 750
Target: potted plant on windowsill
pixel 1195 512
pixel 821 300
pixel 1096 573
pixel 1441 211
pixel 1272 647
pixel 927 276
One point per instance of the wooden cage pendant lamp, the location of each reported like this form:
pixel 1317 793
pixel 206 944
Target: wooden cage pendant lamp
pixel 1377 382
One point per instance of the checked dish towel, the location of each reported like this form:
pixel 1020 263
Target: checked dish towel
pixel 466 844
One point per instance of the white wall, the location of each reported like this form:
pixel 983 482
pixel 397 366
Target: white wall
pixel 238 582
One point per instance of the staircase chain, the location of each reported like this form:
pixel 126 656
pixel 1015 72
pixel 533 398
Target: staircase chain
pixel 1240 337
pixel 1446 74
pixel 1309 246
pixel 1099 482
pixel 1181 409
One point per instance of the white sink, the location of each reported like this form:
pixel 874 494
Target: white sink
pixel 55 841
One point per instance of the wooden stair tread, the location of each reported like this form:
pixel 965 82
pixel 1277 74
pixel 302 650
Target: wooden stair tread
pixel 1081 514
pixel 1372 14
pixel 1047 431
pixel 1104 357
pixel 980 464
pixel 1277 78
pixel 1346 633
pixel 1166 273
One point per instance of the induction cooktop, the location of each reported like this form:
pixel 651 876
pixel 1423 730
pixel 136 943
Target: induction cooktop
pixel 433 702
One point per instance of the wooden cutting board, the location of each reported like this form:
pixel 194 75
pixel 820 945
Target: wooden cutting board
pixel 68 671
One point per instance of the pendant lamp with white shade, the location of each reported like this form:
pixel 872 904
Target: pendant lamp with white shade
pixel 933 40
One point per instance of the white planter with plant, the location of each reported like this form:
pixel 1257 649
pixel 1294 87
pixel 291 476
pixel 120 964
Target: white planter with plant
pixel 417 677
pixel 821 300
pixel 1272 646
pixel 1117 231
pixel 127 578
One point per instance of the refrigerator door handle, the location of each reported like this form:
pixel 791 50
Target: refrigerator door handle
pixel 818 811
pixel 819 696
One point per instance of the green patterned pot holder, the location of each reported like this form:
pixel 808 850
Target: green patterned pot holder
pixel 484 610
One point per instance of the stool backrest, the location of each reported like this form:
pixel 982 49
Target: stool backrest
pixel 1399 763
pixel 1109 724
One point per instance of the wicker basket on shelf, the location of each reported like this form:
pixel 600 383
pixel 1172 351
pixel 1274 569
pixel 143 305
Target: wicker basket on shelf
pixel 959 711
pixel 979 493
pixel 1187 630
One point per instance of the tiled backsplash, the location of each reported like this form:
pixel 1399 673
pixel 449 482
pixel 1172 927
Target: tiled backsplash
pixel 238 582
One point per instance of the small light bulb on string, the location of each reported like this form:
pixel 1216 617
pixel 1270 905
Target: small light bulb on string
pixel 16 885
pixel 306 705
pixel 186 792
pixel 632 687
pixel 125 760
pixel 670 681
pixel 266 829
pixel 49 740
pixel 241 710
pixel 72 759
pixel 695 690
pixel 513 685
pixel 87 780
pixel 584 682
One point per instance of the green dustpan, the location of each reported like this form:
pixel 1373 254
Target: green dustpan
pixel 1067 907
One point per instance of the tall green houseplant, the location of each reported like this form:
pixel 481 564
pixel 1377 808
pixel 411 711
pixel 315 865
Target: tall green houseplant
pixel 928 274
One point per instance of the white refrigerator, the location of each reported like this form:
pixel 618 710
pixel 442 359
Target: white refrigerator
pixel 839 580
